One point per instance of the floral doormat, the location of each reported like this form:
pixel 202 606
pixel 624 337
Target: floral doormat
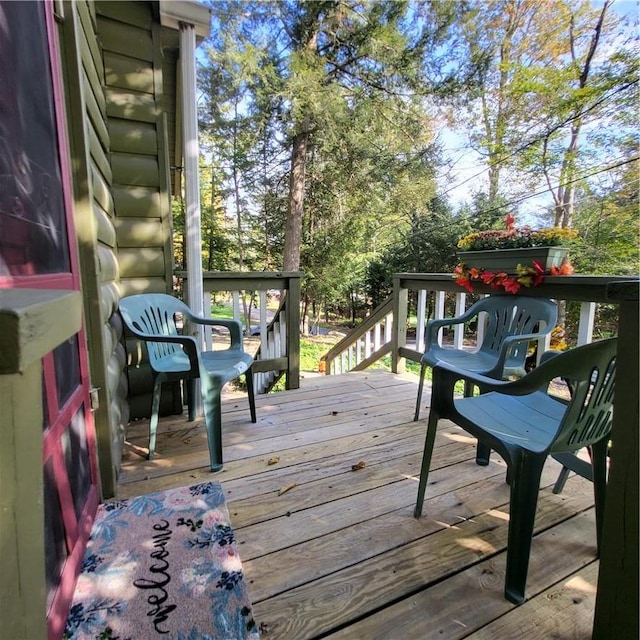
pixel 163 565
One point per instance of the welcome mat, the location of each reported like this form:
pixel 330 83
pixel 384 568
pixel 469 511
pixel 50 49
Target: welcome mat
pixel 162 565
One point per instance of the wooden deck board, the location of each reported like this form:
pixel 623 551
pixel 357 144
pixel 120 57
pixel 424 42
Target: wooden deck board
pixel 340 555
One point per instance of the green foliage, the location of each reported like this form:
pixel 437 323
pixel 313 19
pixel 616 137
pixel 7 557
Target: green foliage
pixel 369 85
pixel 610 226
pixel 517 239
pixel 428 245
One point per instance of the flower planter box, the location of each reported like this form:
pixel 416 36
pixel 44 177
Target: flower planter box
pixel 508 259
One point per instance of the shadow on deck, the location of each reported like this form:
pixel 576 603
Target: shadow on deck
pixel 321 493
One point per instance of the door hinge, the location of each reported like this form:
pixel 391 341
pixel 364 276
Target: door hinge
pixel 94 398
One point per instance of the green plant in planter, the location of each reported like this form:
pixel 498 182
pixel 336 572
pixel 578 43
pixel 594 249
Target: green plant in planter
pixel 512 237
pixel 496 248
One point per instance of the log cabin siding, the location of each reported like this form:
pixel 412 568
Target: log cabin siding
pixel 135 169
pixel 139 232
pixel 94 214
pixel 128 73
pixel 144 137
pixel 135 106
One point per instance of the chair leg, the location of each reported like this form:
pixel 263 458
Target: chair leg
pixel 483 451
pixel 423 370
pixel 251 393
pixel 153 420
pixel 562 480
pixel 598 453
pixel 191 394
pixel 483 454
pixel 213 422
pixel 468 389
pixel 525 486
pixel 426 461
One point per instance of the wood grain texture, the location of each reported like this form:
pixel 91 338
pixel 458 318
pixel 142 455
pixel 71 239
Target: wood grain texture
pixel 339 554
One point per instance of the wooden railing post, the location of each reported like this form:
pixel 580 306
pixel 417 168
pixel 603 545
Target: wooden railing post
pixel 279 350
pixel 293 333
pixel 400 309
pixel 616 610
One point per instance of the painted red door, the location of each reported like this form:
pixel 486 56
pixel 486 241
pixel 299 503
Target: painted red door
pixel 38 250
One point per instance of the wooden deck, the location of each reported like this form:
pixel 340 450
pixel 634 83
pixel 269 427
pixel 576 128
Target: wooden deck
pixel 339 554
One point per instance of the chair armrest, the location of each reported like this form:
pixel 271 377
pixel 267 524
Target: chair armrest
pixel 188 344
pixel 533 381
pixel 506 346
pixel 234 327
pixel 434 325
pixel 549 355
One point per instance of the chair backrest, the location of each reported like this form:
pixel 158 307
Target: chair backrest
pixel 510 315
pixel 591 371
pixel 148 314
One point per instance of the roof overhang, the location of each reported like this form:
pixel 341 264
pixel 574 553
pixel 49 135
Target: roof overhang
pixel 174 12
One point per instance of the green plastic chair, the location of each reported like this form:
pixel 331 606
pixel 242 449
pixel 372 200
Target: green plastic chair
pixel 525 424
pixel 512 322
pixel 152 318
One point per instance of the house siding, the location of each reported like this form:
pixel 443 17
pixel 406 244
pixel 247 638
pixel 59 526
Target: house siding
pixel 135 114
pixel 134 109
pixel 114 68
pixel 97 239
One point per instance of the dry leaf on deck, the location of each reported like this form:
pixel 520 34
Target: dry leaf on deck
pixel 359 465
pixel 273 460
pixel 287 487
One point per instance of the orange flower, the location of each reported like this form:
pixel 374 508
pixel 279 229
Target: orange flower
pixel 566 268
pixel 464 282
pixel 526 276
pixel 538 267
pixel 511 285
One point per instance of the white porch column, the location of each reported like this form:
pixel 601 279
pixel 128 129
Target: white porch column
pixel 193 233
pixel 192 217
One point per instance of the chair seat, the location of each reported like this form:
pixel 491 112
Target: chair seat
pixel 530 421
pixel 177 362
pixel 223 366
pixel 468 360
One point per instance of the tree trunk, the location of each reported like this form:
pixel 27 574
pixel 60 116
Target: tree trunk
pixel 293 229
pixel 236 192
pixel 565 197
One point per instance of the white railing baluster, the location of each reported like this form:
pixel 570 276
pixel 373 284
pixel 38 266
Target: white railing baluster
pixel 458 329
pixel 283 334
pixel 377 336
pixel 482 325
pixel 587 318
pixel 206 306
pixel 388 328
pixel 262 297
pixel 421 319
pixel 439 311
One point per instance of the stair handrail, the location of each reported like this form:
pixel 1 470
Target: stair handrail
pixel 378 316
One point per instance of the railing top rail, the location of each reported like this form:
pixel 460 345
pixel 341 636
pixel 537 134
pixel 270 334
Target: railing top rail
pixel 586 288
pixel 251 280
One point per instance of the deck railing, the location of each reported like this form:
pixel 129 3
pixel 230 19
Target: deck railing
pixel 363 346
pixel 278 351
